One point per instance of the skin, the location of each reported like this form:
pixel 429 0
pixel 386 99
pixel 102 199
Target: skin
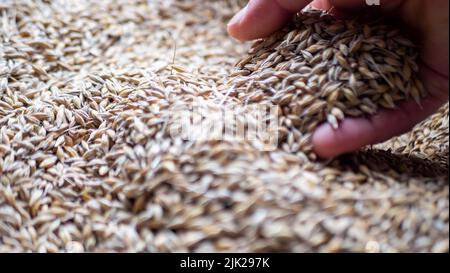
pixel 428 20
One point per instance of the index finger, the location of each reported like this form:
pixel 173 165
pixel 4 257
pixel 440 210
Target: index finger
pixel 263 17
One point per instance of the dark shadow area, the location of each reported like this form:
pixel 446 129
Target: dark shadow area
pixel 385 162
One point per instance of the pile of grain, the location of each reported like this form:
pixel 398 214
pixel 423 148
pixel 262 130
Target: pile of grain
pixel 321 69
pixel 87 162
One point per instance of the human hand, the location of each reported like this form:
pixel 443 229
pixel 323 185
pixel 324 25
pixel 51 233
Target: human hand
pixel 429 19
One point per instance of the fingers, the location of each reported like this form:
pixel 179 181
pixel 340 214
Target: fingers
pixel 260 18
pixel 263 17
pixel 355 133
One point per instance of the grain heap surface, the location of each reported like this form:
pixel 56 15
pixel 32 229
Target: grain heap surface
pixel 88 92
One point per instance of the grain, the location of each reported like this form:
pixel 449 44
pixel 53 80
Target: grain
pixel 91 97
pixel 346 67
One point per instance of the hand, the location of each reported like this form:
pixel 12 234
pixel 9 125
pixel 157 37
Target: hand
pixel 430 19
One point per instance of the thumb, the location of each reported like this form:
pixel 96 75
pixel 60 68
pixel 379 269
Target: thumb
pixel 261 18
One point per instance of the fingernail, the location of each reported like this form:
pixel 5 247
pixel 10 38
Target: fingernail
pixel 238 17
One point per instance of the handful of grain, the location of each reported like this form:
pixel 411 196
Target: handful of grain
pixel 320 68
